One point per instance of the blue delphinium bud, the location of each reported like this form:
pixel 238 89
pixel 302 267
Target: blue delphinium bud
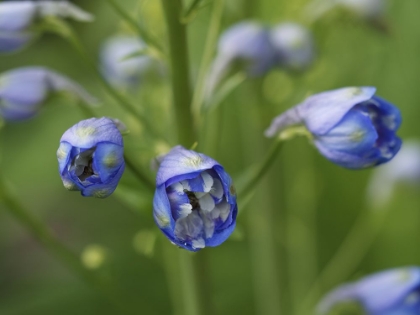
pixel 91 157
pixel 404 168
pixel 17 19
pixel 24 90
pixel 194 203
pixel 350 126
pixel 118 70
pixel 391 292
pixel 247 43
pixel 293 45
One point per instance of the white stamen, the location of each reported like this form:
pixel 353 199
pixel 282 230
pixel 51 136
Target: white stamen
pixel 207 181
pixel 224 209
pixel 217 189
pixel 185 210
pixel 189 227
pixel 186 185
pixel 200 194
pixel 177 187
pixel 208 224
pixel 206 202
pixel 215 213
pixel 200 243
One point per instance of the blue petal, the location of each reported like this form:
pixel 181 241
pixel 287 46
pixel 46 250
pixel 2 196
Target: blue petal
pixel 13 41
pixel 63 156
pixel 107 159
pixel 226 181
pixel 180 161
pixel 104 189
pixel 16 15
pixel 220 236
pixel 88 133
pixel 162 213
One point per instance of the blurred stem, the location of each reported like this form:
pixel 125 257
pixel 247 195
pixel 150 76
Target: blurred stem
pixel 138 172
pixel 208 53
pixel 121 99
pixel 180 77
pixel 350 253
pixel 262 168
pixel 62 253
pixel 148 38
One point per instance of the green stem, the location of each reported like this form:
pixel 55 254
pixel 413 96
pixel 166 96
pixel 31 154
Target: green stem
pixel 262 168
pixel 149 39
pixel 350 253
pixel 138 172
pixel 180 76
pixel 209 48
pixel 65 255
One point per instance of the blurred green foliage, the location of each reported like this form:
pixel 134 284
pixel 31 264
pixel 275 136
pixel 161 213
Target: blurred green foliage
pixel 302 194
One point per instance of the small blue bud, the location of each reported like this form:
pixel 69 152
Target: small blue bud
pixel 350 126
pixel 91 157
pixel 17 19
pixel 293 45
pixel 247 43
pixel 195 202
pixel 404 169
pixel 118 70
pixel 390 292
pixel 24 90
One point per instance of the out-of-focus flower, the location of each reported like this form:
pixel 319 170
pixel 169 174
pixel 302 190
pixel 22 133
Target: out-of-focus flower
pixel 350 126
pixel 121 69
pixel 19 18
pixel 293 45
pixel 391 292
pixel 195 202
pixel 404 168
pixel 24 90
pixel 91 157
pixel 246 44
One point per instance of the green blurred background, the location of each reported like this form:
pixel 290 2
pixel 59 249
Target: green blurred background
pixel 294 222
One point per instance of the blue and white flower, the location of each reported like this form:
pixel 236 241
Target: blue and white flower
pixel 350 126
pixel 23 91
pixel 195 202
pixel 19 18
pixel 91 157
pixel 293 45
pixel 391 292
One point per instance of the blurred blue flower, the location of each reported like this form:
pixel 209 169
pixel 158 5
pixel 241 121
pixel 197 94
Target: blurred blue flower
pixel 293 45
pixel 350 126
pixel 118 70
pixel 404 168
pixel 195 202
pixel 91 157
pixel 391 292
pixel 18 18
pixel 247 44
pixel 24 90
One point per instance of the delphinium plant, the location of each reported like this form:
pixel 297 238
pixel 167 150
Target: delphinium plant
pixel 191 193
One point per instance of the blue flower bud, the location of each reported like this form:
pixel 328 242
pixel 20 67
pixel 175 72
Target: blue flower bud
pixel 17 19
pixel 293 45
pixel 350 126
pixel 391 292
pixel 91 157
pixel 118 70
pixel 195 202
pixel 404 169
pixel 247 43
pixel 24 90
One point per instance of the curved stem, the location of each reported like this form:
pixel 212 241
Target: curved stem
pixel 262 168
pixel 64 254
pixel 350 253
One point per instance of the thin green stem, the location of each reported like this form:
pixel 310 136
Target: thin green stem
pixel 209 49
pixel 262 168
pixel 350 253
pixel 148 38
pixel 180 77
pixel 62 253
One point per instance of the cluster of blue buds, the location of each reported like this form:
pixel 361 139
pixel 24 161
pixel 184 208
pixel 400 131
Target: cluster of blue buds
pixel 195 202
pixel 119 70
pixel 24 90
pixel 350 126
pixel 18 20
pixel 391 292
pixel 257 49
pixel 91 157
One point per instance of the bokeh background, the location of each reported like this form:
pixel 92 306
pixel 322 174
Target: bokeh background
pixel 288 231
